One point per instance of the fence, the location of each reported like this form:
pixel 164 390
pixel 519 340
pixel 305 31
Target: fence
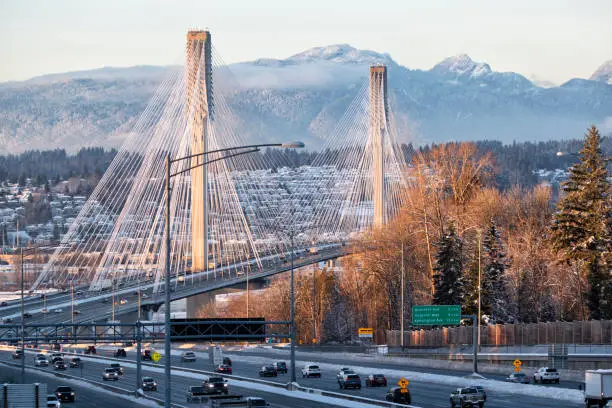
pixel 578 332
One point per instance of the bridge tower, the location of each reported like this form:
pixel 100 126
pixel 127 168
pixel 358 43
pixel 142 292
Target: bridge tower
pixel 199 92
pixel 379 125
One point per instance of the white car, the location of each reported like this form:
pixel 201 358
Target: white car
pixel 546 375
pixel 110 374
pixel 41 362
pixel 188 356
pixel 53 402
pixel 58 310
pixel 311 370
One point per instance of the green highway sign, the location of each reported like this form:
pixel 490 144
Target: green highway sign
pixel 430 315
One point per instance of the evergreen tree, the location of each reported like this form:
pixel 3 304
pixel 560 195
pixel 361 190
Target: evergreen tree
pixel 448 283
pixel 581 229
pixel 494 297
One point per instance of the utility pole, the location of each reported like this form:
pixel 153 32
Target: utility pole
pixel 293 378
pixel 314 304
pixel 479 294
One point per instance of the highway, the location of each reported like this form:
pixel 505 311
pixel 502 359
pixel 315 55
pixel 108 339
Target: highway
pixel 425 394
pixel 92 370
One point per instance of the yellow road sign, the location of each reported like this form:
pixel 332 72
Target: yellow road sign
pixel 403 383
pixel 156 357
pixel 517 364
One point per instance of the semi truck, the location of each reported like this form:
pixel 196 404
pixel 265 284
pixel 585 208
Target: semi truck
pixel 597 387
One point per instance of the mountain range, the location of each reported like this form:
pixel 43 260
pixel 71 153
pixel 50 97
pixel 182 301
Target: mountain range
pixel 304 96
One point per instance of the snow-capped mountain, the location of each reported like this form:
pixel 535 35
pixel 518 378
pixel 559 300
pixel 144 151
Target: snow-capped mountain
pixel 304 96
pixel 603 73
pixel 461 66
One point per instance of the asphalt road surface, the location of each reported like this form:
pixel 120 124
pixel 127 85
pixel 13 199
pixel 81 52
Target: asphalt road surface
pixel 424 394
pixel 91 397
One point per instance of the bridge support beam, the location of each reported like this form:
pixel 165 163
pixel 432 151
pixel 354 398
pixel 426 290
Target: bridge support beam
pixel 378 131
pixel 195 303
pixel 199 92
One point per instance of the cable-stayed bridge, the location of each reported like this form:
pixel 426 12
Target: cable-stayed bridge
pixel 231 218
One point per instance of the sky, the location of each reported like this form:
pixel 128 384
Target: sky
pixel 553 40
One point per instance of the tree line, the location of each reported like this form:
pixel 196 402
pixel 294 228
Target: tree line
pixel 536 259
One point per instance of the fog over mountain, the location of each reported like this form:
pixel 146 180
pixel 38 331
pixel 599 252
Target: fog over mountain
pixel 304 96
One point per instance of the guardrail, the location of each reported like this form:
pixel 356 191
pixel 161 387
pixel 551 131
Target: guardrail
pixel 98 384
pixel 287 386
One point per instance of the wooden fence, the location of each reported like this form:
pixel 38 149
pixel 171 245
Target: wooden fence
pixel 579 332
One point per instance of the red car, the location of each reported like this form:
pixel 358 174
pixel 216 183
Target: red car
pixel 223 369
pixel 376 380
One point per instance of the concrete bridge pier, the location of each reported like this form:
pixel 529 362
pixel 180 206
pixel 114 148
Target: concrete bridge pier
pixel 195 303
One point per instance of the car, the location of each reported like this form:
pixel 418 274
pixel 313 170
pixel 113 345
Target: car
pixel 267 371
pixel 120 353
pixel 8 320
pixel 144 296
pixel 27 315
pixel 215 385
pixel 280 367
pixel 17 354
pixel 376 380
pixel 106 300
pixel 148 384
pixel 91 350
pixel 75 362
pixel 110 374
pixel 396 395
pixel 520 378
pixel 76 312
pixel 117 367
pixel 58 310
pixel 43 310
pixel 350 381
pixel 64 393
pixel 59 365
pixel 147 355
pixel 311 370
pixel 546 375
pixel 223 369
pixel 3 304
pixel 53 357
pixel 608 405
pixel 53 402
pixel 188 357
pixel 227 361
pixel 123 301
pixel 41 361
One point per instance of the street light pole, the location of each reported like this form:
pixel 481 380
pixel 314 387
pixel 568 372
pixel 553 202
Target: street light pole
pixel 167 367
pixel 293 378
pixel 402 301
pixel 22 327
pixel 477 343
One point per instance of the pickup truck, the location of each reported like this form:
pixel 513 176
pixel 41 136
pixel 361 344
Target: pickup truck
pixel 546 375
pixel 467 397
pixel 215 385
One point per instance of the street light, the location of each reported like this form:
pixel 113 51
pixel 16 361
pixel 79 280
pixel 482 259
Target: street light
pixel 240 151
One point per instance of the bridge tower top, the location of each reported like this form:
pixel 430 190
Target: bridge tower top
pixel 379 128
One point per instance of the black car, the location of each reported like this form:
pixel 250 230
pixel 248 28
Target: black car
pixel 3 304
pixel 18 354
pixel 91 350
pixel 396 395
pixel 75 362
pixel 149 384
pixel 120 353
pixel 147 355
pixel 227 361
pixel 64 393
pixel 27 315
pixel 59 365
pixel 267 371
pixel 280 367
